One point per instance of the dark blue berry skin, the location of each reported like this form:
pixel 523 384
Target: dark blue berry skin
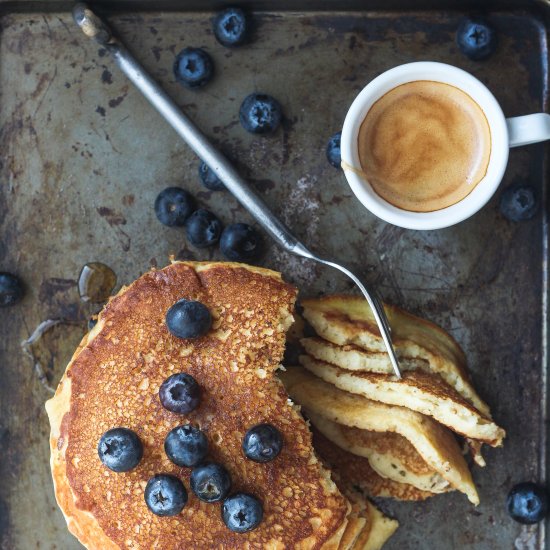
pixel 165 495
pixel 11 289
pixel 193 67
pixel 180 393
pixel 527 503
pixel 209 179
pixel 120 449
pixel 203 228
pixel 333 150
pixel 260 114
pixel 475 38
pixel 210 482
pixel 519 203
pixel 92 322
pixel 173 206
pixel 242 512
pixel 262 443
pixel 186 446
pixel 231 27
pixel 188 319
pixel 240 243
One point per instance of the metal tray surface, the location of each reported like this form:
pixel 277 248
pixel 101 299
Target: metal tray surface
pixel 83 157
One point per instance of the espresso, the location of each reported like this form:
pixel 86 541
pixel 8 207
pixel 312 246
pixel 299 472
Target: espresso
pixel 424 146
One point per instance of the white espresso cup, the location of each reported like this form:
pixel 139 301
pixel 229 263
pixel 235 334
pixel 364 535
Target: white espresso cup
pixel 505 133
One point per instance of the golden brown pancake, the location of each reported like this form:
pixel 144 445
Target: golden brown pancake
pixel 345 320
pixel 113 380
pixel 390 455
pixel 354 473
pixel 416 390
pixel 435 444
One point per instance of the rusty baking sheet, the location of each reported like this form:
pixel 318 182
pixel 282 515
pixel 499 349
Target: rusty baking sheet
pixel 83 157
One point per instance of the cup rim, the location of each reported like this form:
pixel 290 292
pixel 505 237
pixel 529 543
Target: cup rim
pixel 437 72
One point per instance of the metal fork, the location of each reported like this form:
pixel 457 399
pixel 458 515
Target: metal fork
pixel 94 27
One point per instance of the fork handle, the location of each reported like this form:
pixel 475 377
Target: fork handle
pixel 95 27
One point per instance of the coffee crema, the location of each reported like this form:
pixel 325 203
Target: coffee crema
pixel 424 146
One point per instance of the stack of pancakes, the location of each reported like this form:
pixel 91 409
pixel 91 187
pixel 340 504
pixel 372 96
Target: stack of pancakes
pixel 389 437
pixel 113 381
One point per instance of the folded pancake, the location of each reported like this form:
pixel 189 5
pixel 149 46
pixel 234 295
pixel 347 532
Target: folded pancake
pixel 113 380
pixel 416 390
pixel 390 455
pixel 435 444
pixel 346 320
pixel 356 524
pixel 354 358
pixel 353 473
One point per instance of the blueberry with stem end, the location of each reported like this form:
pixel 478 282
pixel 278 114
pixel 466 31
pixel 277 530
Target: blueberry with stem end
pixel 231 27
pixel 193 68
pixel 165 495
pixel 120 449
pixel 173 206
pixel 211 482
pixel 203 228
pixel 180 393
pixel 242 512
pixel 260 114
pixel 476 38
pixel 188 319
pixel 240 242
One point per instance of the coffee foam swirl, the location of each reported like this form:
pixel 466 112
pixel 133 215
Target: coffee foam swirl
pixel 424 146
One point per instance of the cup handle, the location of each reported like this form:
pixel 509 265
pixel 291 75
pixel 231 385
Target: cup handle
pixel 527 129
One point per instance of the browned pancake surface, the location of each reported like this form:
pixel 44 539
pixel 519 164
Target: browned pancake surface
pixel 114 381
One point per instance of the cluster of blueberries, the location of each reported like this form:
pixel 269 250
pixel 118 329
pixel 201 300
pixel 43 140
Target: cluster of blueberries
pixel 120 449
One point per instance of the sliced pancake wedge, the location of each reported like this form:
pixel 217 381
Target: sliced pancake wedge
pixel 390 455
pixel 418 391
pixel 346 320
pixel 354 358
pixel 381 528
pixel 113 381
pixel 435 444
pixel 353 473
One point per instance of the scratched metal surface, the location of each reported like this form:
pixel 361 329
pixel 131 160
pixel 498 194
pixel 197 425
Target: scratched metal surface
pixel 83 157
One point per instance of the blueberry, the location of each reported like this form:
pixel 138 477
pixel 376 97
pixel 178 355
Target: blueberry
pixel 193 67
pixel 519 203
pixel 180 393
pixel 210 482
pixel 262 443
pixel 333 150
pixel 120 449
pixel 242 512
pixel 186 446
pixel 165 495
pixel 475 38
pixel 209 179
pixel 188 319
pixel 527 503
pixel 173 206
pixel 203 228
pixel 240 242
pixel 11 289
pixel 231 27
pixel 260 114
pixel 92 322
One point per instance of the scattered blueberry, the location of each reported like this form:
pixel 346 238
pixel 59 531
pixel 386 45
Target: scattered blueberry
pixel 527 503
pixel 333 150
pixel 240 242
pixel 180 393
pixel 230 27
pixel 120 449
pixel 186 446
pixel 475 38
pixel 262 443
pixel 210 482
pixel 188 319
pixel 519 203
pixel 242 512
pixel 203 228
pixel 260 114
pixel 92 322
pixel 193 67
pixel 165 495
pixel 11 289
pixel 209 178
pixel 173 206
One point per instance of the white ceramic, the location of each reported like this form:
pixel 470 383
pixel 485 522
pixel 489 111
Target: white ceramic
pixel 505 133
